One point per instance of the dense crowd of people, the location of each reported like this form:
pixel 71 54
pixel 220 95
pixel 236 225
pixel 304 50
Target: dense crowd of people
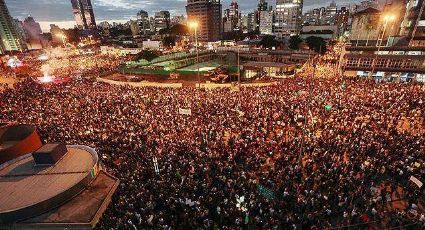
pixel 301 154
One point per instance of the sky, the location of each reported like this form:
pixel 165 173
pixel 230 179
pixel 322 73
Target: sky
pixel 60 12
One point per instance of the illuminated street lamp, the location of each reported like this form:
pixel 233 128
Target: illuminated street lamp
pixel 387 18
pixel 63 37
pixel 194 25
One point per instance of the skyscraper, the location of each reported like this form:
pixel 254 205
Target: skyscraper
pixel 83 13
pixel 162 20
pixel 413 25
pixel 33 33
pixel 10 41
pixel 144 24
pixel 208 15
pixel 288 17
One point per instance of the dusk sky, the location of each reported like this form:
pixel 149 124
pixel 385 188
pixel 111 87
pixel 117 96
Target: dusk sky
pixel 60 12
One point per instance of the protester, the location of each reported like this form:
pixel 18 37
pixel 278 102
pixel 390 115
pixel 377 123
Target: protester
pixel 302 154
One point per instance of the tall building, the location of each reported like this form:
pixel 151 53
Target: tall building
pixel 413 25
pixel 83 13
pixel 252 22
pixel 231 19
pixel 144 23
pixel 288 18
pixel 234 13
pixel 10 39
pixel 162 20
pixel 342 19
pixel 266 22
pixel 208 15
pixel 33 33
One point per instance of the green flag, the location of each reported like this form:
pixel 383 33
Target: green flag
pixel 328 108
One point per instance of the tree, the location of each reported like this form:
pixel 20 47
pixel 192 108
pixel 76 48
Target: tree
pixel 269 41
pixel 169 41
pixel 147 55
pixel 177 29
pixel 294 42
pixel 317 44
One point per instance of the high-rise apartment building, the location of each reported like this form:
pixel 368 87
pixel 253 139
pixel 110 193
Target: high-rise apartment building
pixel 10 39
pixel 162 20
pixel 266 22
pixel 288 17
pixel 83 13
pixel 144 23
pixel 413 25
pixel 207 13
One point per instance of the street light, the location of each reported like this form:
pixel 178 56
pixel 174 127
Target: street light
pixel 194 25
pixel 387 18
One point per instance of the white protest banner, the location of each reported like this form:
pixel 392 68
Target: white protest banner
pixel 416 181
pixel 185 112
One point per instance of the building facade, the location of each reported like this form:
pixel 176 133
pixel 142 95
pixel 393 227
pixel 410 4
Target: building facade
pixel 207 13
pixel 144 23
pixel 33 33
pixel 162 20
pixel 83 13
pixel 288 17
pixel 10 39
pixel 266 22
pixel 413 25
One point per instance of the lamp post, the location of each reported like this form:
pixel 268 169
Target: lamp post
pixel 387 19
pixel 194 25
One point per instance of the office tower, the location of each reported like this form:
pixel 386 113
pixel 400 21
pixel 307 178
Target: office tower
pixel 33 33
pixel 83 13
pixel 208 15
pixel 252 22
pixel 144 24
pixel 413 25
pixel 342 19
pixel 10 39
pixel 288 18
pixel 266 22
pixel 162 20
pixel 234 14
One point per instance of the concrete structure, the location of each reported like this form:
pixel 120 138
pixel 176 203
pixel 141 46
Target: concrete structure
pixel 71 191
pixel 33 33
pixel 342 19
pixel 144 23
pixel 152 45
pixel 83 13
pixel 162 20
pixel 288 17
pixel 252 23
pixel 10 40
pixel 392 63
pixel 326 32
pixel 16 141
pixel 266 22
pixel 370 24
pixel 181 19
pixel 135 28
pixel 413 25
pixel 208 15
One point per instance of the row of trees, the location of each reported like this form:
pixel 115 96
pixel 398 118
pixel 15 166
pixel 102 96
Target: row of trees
pixel 317 44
